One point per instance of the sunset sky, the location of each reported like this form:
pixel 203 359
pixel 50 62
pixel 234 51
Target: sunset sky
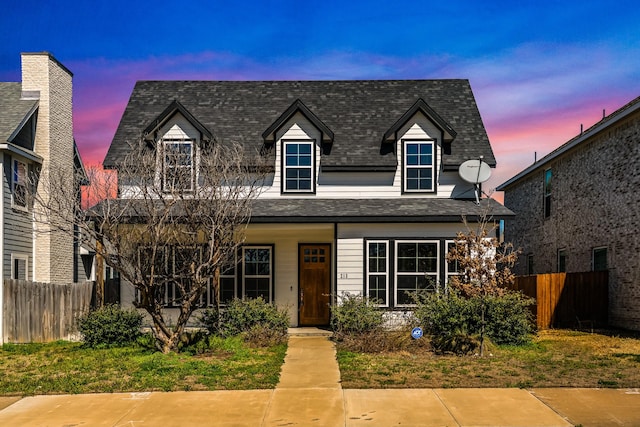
pixel 539 69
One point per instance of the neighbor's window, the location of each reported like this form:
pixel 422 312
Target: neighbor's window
pixel 417 269
pixel 530 264
pixel 599 259
pixel 19 265
pixel 257 272
pixel 378 271
pixel 547 193
pixel 298 166
pixel 419 166
pixel 178 164
pixel 562 261
pixel 19 184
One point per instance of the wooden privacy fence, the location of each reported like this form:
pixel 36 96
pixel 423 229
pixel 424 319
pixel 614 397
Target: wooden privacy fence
pixel 567 299
pixel 42 312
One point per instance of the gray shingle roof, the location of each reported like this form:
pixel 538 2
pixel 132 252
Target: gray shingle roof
pixel 358 112
pixel 14 112
pixel 283 210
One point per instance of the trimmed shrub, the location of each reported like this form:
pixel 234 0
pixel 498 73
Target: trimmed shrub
pixel 454 322
pixel 355 314
pixel 259 321
pixel 110 325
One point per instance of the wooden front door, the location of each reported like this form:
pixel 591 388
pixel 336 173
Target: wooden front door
pixel 315 284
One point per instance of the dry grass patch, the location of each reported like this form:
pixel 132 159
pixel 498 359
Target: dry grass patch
pixel 556 358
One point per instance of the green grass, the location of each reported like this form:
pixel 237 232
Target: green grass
pixel 554 359
pixel 64 367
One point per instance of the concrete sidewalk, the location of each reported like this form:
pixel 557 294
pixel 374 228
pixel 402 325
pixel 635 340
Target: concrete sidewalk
pixel 309 393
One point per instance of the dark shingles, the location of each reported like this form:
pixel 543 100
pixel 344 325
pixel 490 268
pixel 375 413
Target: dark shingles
pixel 13 111
pixel 359 112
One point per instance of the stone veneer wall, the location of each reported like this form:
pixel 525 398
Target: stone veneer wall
pixel 53 260
pixel 595 202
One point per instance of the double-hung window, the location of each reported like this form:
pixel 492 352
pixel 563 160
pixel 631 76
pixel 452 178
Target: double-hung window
pixel 178 164
pixel 599 261
pixel 547 193
pixel 419 166
pixel 378 271
pixel 257 272
pixel 562 260
pixel 417 269
pixel 19 184
pixel 299 166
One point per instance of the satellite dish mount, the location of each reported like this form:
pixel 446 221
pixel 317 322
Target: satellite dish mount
pixel 475 172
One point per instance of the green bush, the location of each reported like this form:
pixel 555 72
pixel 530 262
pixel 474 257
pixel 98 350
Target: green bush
pixel 257 319
pixel 454 322
pixel 110 326
pixel 356 314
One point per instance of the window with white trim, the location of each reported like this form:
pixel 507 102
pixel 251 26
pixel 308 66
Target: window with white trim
pixel 378 271
pixel 19 265
pixel 419 166
pixel 298 166
pixel 257 272
pixel 178 164
pixel 19 184
pixel 417 269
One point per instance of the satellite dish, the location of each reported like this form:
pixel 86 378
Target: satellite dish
pixel 475 171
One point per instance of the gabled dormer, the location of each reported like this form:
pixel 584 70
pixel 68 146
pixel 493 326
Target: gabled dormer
pixel 301 137
pixel 177 137
pixel 420 136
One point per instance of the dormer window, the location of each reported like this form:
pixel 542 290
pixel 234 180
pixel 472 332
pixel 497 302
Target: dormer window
pixel 419 165
pixel 178 164
pixel 298 166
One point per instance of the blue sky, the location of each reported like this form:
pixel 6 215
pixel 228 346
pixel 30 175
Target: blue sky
pixel 538 69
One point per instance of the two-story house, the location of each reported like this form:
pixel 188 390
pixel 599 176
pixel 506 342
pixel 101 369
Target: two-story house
pixel 363 194
pixel 577 209
pixel 36 134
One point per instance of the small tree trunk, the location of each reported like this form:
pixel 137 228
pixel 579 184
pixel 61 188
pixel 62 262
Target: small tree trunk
pixel 482 325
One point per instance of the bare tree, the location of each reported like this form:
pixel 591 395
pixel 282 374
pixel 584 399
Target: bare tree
pixel 484 264
pixel 178 221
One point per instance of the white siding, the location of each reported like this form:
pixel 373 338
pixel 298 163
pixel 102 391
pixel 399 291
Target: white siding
pixel 17 235
pixel 350 266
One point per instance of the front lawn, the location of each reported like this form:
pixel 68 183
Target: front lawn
pixel 64 367
pixel 555 358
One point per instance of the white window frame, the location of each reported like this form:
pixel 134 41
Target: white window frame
pixel 312 167
pixel 19 257
pixel 384 274
pixel 398 274
pixel 406 167
pixel 15 182
pixel 166 187
pixel 232 273
pixel 257 276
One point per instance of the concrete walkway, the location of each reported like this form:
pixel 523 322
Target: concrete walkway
pixel 309 394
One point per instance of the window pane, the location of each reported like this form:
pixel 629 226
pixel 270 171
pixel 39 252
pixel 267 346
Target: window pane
pixel 378 288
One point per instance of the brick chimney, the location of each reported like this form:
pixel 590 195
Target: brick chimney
pixel 46 79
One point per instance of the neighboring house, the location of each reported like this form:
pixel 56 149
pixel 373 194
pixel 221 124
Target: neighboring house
pixel 36 131
pixel 578 209
pixel 366 197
